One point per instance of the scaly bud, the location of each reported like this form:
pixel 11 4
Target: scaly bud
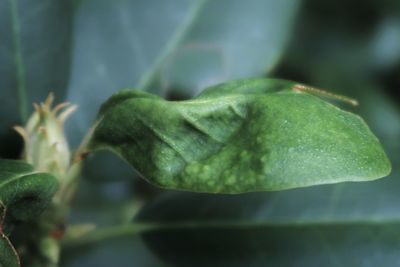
pixel 46 147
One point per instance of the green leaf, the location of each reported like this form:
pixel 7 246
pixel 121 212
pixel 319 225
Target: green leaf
pixel 241 136
pixel 24 192
pixel 34 55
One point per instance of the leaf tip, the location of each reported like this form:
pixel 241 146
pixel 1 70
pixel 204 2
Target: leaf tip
pixel 324 93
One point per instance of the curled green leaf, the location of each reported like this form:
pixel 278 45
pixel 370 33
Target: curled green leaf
pixel 240 136
pixel 24 192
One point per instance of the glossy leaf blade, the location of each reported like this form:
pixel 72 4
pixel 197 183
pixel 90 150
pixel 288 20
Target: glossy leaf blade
pixel 246 135
pixel 24 192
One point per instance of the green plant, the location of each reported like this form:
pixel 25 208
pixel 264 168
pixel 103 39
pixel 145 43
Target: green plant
pixel 241 136
pixel 244 135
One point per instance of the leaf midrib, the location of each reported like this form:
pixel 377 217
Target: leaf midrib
pixel 175 40
pixel 108 232
pixel 16 177
pixel 19 63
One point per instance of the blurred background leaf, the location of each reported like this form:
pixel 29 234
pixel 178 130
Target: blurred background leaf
pixel 35 44
pixel 175 48
pixel 269 230
pixel 121 252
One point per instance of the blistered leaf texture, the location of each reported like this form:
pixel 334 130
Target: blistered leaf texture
pixel 240 136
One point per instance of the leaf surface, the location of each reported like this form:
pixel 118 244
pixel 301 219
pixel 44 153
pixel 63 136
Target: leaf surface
pixel 241 136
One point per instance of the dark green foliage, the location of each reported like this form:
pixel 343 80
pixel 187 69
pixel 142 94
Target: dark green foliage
pixel 24 194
